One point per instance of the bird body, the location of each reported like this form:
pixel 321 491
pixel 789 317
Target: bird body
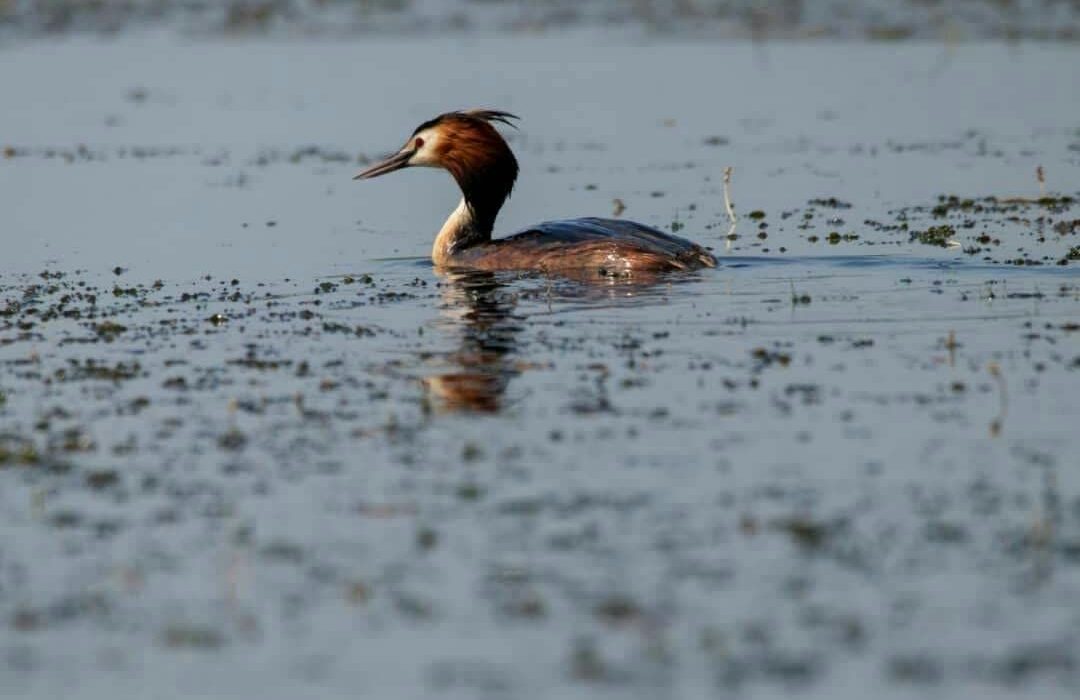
pixel 468 146
pixel 608 247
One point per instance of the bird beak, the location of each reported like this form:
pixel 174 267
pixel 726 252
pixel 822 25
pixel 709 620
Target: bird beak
pixel 395 162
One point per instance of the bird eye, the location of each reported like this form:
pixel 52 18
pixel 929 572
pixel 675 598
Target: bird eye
pixel 419 143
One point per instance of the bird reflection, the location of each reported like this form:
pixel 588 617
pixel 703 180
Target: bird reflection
pixel 478 308
pixel 482 313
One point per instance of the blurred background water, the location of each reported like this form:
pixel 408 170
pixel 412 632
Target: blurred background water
pixel 1055 20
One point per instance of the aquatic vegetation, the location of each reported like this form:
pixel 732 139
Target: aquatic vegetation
pixel 940 236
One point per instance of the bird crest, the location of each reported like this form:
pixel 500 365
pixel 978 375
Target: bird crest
pixel 483 115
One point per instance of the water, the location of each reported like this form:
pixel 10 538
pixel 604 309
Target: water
pixel 252 444
pixel 878 20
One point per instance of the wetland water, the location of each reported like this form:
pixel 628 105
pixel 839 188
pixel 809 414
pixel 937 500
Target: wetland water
pixel 251 444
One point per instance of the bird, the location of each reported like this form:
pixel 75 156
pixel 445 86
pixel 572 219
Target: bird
pixel 467 145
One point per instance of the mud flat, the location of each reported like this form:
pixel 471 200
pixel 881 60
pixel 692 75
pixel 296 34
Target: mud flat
pixel 251 444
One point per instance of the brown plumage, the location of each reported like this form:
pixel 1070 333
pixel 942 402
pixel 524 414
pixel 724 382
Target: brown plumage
pixel 468 146
pixel 479 159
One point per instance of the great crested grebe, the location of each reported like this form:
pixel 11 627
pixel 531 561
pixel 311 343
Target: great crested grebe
pixel 466 144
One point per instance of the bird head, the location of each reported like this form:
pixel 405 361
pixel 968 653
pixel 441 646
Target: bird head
pixel 462 142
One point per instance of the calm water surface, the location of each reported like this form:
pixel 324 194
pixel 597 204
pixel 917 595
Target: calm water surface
pixel 251 444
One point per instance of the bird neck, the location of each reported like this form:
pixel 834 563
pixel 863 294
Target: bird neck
pixel 486 176
pixel 460 231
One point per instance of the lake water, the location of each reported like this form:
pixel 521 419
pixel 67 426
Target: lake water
pixel 253 445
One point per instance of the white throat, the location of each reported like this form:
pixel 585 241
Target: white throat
pixel 459 221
